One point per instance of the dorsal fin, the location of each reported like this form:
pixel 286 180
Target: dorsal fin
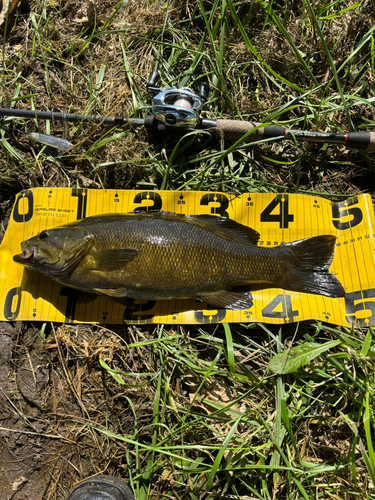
pixel 237 231
pixel 234 230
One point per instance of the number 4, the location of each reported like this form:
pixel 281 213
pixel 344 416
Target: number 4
pixel 286 313
pixel 283 217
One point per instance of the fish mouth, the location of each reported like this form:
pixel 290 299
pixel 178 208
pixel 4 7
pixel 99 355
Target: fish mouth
pixel 26 257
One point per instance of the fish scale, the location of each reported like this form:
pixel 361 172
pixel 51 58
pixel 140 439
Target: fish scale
pixel 204 258
pixel 162 256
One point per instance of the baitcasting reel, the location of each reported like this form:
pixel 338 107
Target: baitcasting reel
pixel 177 107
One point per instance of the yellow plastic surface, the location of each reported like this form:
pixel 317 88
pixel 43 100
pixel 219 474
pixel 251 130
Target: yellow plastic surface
pixel 27 295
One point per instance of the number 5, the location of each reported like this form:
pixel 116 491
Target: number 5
pixel 342 209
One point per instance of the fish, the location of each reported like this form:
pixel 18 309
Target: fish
pixel 165 256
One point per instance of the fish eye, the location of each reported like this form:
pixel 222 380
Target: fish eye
pixel 43 235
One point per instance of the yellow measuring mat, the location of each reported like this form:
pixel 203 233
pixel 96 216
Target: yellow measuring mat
pixel 278 218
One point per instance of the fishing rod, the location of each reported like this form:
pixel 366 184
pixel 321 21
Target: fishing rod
pixel 179 108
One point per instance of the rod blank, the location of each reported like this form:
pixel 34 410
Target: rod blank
pixel 68 117
pixel 232 130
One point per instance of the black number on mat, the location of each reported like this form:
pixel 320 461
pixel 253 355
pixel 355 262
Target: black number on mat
pixel 136 315
pixel 71 303
pixel 287 313
pixel 28 195
pixel 345 209
pixel 148 195
pixel 81 193
pixel 11 313
pixel 360 308
pixel 209 198
pixel 207 317
pixel 283 217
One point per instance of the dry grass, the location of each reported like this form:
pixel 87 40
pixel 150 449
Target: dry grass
pixel 181 414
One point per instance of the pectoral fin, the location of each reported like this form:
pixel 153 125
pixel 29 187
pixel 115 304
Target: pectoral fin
pixel 111 260
pixel 117 294
pixel 228 299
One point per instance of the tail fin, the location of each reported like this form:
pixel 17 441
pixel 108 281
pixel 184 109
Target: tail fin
pixel 309 262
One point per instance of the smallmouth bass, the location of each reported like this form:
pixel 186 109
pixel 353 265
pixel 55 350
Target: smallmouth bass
pixel 163 256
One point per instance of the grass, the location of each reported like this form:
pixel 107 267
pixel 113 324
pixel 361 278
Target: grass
pixel 194 412
pixel 220 424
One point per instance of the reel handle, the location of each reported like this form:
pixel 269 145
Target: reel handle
pixel 203 91
pixel 151 86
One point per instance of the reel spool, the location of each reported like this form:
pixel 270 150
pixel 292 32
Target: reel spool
pixel 177 107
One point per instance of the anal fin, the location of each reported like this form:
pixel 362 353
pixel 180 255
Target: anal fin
pixel 228 299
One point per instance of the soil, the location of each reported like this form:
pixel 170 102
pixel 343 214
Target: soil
pixel 45 445
pixel 24 447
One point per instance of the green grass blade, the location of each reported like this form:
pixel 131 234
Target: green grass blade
pixel 220 455
pixel 367 343
pixel 330 60
pixel 341 12
pixel 253 50
pixel 289 39
pixel 230 350
pixel 368 419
